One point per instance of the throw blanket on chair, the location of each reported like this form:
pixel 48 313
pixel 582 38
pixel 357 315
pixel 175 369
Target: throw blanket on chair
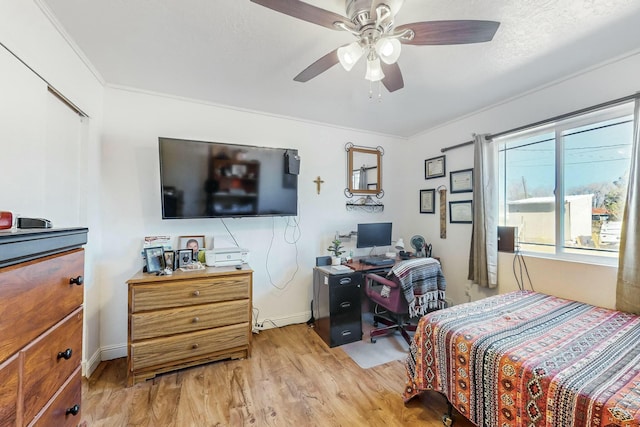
pixel 422 284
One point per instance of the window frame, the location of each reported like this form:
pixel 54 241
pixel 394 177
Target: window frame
pixel 558 128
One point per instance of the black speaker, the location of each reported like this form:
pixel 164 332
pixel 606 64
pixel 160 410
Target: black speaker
pixel 33 223
pixel 291 163
pixel 323 260
pixel 507 239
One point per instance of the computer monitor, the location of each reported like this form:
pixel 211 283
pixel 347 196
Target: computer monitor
pixel 374 234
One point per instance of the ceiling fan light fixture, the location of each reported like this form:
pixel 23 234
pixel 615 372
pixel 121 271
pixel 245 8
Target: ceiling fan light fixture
pixel 350 54
pixel 374 70
pixel 388 49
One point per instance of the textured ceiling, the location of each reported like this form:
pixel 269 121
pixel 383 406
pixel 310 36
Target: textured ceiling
pixel 237 53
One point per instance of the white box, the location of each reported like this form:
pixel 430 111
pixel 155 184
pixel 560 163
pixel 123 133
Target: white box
pixel 220 257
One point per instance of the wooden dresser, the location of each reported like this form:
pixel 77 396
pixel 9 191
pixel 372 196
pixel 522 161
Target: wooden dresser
pixel 187 319
pixel 41 297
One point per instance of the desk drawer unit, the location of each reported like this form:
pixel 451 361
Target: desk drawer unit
pixel 337 306
pixel 187 319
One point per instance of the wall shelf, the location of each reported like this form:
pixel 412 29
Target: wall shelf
pixel 366 204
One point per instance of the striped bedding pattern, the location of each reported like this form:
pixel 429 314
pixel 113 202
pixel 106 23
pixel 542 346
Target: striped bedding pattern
pixel 529 359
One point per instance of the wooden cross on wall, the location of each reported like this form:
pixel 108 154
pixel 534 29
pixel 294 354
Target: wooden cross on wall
pixel 318 181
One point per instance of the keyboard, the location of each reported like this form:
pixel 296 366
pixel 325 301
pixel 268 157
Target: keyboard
pixel 379 261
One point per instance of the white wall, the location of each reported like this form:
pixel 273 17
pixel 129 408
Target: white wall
pixel 282 288
pixel 592 284
pixel 43 182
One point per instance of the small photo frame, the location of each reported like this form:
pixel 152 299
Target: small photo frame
pixel 170 260
pixel 434 167
pixel 154 258
pixel 461 212
pixel 195 243
pixel 461 181
pixel 185 257
pixel 428 201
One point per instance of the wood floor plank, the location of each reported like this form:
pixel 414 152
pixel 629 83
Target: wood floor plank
pixel 292 379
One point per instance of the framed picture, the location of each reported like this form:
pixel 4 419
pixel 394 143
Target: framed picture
pixel 170 259
pixel 154 258
pixel 428 201
pixel 461 212
pixel 461 181
pixel 195 243
pixel 185 257
pixel 434 167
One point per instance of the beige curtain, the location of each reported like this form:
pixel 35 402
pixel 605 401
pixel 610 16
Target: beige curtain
pixel 628 288
pixel 483 255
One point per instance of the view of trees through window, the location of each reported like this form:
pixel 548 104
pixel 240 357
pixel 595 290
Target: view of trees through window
pixel 564 186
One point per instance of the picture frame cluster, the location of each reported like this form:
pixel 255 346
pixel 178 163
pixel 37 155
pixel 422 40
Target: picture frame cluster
pixel 460 181
pixel 160 258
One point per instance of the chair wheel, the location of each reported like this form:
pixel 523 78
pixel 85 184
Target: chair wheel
pixel 373 340
pixel 447 420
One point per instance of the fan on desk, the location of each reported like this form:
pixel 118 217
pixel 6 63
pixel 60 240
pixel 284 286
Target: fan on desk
pixel 418 243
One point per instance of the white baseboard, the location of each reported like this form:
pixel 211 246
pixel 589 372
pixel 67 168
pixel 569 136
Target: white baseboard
pixel 88 366
pixel 273 322
pixel 114 352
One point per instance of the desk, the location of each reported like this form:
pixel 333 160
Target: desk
pixel 356 265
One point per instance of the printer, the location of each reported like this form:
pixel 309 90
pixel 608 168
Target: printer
pixel 221 257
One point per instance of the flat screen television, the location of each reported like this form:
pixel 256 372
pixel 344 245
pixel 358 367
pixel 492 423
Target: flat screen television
pixel 375 234
pixel 202 179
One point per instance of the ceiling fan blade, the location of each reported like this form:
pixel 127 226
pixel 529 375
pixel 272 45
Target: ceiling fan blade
pixel 392 76
pixel 318 67
pixel 305 11
pixel 450 32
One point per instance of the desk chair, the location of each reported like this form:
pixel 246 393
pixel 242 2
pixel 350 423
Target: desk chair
pixel 395 304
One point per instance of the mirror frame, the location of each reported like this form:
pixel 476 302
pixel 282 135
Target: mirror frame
pixel 377 152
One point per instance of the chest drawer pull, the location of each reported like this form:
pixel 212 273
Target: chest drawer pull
pixel 74 410
pixel 76 280
pixel 66 355
pixel 195 346
pixel 196 293
pixel 196 319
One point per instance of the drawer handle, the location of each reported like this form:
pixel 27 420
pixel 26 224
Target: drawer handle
pixel 66 355
pixel 196 319
pixel 195 346
pixel 76 280
pixel 345 304
pixel 346 333
pixel 196 293
pixel 74 410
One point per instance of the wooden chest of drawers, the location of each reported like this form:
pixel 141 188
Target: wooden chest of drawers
pixel 41 297
pixel 187 319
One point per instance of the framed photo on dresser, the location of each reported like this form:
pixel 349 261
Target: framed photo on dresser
pixel 154 258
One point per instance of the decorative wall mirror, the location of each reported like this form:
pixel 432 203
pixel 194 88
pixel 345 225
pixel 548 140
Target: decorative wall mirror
pixel 364 170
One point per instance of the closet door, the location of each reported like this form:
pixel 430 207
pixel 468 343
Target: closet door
pixel 40 148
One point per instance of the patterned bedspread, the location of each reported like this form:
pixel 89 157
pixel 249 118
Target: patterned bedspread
pixel 529 359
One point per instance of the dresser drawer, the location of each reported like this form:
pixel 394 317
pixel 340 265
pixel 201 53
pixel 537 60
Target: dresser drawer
pixel 173 321
pixel 35 295
pixel 181 293
pixel 60 413
pixel 9 391
pixel 46 366
pixel 170 350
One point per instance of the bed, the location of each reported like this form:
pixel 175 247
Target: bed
pixel 529 359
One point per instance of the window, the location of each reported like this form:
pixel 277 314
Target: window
pixel 564 185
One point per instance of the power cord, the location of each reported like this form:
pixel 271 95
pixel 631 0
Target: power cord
pixel 522 266
pixel 294 241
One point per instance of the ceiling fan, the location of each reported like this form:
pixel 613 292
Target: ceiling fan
pixel 378 40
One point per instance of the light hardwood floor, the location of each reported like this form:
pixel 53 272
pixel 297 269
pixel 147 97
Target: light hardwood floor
pixel 292 379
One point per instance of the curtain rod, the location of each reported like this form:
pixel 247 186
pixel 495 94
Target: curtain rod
pixel 549 120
